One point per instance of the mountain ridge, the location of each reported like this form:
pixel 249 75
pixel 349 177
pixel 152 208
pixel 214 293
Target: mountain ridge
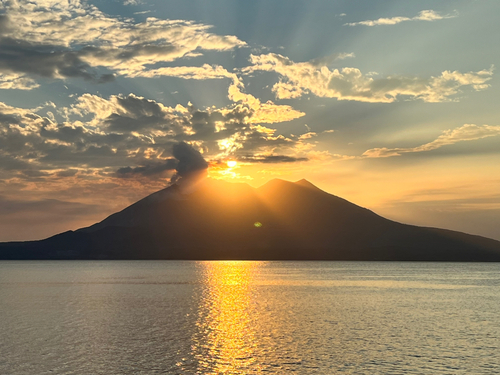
pixel 280 220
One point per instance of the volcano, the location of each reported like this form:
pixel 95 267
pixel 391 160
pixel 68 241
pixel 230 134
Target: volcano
pixel 280 220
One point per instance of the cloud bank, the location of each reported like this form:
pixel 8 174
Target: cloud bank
pixel 298 79
pixel 131 137
pixel 58 40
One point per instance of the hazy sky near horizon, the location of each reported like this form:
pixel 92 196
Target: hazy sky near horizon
pixel 393 105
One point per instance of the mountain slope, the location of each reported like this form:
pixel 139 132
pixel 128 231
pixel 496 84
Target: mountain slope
pixel 279 220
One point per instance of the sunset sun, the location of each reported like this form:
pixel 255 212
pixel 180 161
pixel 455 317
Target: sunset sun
pixel 232 163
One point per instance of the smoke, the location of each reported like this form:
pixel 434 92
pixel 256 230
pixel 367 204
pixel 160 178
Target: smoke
pixel 191 167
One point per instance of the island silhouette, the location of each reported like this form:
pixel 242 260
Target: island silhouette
pixel 203 219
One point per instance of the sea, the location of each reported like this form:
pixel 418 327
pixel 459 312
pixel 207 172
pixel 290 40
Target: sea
pixel 248 317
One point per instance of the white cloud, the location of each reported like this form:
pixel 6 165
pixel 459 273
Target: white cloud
pixel 268 112
pixel 351 84
pixel 467 132
pixel 76 23
pixel 424 15
pixel 16 81
pixel 17 111
pixel 188 72
pixel 85 35
pixel 286 90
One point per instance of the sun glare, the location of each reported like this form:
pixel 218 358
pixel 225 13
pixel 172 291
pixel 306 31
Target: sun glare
pixel 232 163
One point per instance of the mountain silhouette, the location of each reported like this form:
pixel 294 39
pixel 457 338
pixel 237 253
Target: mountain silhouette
pixel 280 220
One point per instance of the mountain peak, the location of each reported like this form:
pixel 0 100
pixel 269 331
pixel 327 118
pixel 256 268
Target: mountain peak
pixel 307 184
pixel 275 183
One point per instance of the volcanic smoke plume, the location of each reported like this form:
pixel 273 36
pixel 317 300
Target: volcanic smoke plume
pixel 191 167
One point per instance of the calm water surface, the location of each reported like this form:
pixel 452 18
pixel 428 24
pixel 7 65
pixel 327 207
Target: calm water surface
pixel 173 317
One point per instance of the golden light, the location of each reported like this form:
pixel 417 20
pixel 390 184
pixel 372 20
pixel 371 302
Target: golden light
pixel 225 338
pixel 231 163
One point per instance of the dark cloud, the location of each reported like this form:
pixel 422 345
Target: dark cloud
pixel 5 24
pixel 271 159
pixel 65 133
pixel 140 114
pixel 258 141
pixel 10 163
pixel 18 56
pixel 105 78
pixel 203 123
pixel 90 156
pixel 9 119
pixel 33 173
pixel 124 123
pixel 148 170
pixel 238 115
pixel 67 173
pixel 137 114
pixel 138 106
pixel 82 136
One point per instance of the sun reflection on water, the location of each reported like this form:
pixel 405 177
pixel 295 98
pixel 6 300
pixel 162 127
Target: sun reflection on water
pixel 224 342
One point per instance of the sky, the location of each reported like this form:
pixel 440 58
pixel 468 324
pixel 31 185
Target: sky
pixel 392 105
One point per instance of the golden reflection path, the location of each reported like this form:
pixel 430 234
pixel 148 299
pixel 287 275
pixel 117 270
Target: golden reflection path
pixel 224 342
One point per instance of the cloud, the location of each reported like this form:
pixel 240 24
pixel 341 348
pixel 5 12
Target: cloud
pixel 21 57
pixel 351 84
pixel 188 72
pixel 467 132
pixel 271 159
pixel 16 81
pixel 267 112
pixel 132 114
pixel 77 23
pixel 287 90
pixel 330 59
pixel 5 24
pixel 16 112
pixel 134 138
pixel 149 169
pixel 74 39
pixel 424 15
pixel 137 113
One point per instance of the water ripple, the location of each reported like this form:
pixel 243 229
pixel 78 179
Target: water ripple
pixel 249 318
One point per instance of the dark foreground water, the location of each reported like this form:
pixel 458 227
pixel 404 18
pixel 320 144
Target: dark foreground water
pixel 172 317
